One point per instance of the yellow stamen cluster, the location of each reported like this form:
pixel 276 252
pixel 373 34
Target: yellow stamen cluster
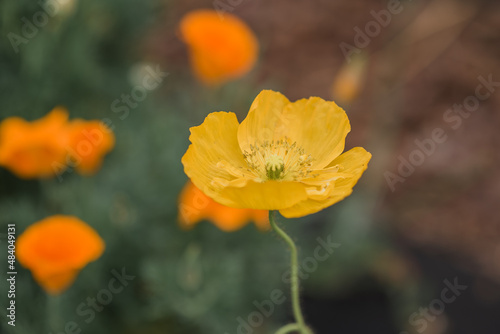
pixel 278 160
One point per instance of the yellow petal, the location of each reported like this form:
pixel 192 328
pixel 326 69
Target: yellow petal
pixel 353 163
pixel 319 127
pixel 316 125
pixel 213 150
pixel 269 195
pixel 264 120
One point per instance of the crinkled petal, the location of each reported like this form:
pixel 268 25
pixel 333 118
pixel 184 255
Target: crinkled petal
pixel 264 121
pixel 319 127
pixel 351 166
pixel 214 158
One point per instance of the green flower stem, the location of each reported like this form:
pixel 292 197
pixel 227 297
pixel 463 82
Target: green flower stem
pixel 299 318
pixel 288 329
pixel 53 315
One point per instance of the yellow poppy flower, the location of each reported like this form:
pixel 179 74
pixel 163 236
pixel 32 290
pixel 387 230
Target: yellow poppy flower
pixel 284 156
pixel 31 149
pixel 220 49
pixel 56 248
pixel 195 206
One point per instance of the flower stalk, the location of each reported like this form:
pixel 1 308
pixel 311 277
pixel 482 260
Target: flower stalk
pixel 53 313
pixel 300 325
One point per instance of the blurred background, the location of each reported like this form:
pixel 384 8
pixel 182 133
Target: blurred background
pixel 417 243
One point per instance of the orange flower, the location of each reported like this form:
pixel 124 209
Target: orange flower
pixel 89 142
pixel 30 149
pixel 220 49
pixel 46 147
pixel 56 248
pixel 195 206
pixel 349 80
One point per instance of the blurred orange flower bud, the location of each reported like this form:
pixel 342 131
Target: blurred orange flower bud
pixel 89 142
pixel 195 206
pixel 30 149
pixel 349 80
pixel 221 49
pixel 56 248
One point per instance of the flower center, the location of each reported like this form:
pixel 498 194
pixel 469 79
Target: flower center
pixel 274 166
pixel 278 160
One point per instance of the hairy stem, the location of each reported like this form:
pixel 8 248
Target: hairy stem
pixel 297 312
